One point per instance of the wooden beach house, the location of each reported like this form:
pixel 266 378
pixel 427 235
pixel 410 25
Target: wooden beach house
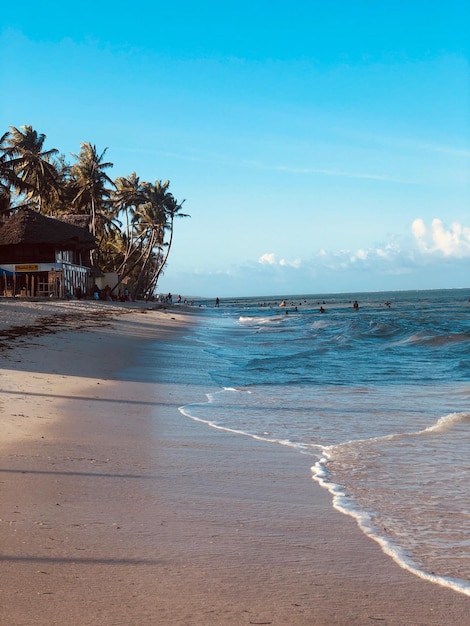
pixel 44 256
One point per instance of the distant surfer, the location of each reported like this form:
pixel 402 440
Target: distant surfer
pixel 322 310
pixel 356 305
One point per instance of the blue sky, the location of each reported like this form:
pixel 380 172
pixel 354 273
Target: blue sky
pixel 320 146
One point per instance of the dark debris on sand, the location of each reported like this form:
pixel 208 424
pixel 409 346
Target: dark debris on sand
pixel 52 324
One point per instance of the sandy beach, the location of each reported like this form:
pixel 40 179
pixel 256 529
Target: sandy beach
pixel 115 509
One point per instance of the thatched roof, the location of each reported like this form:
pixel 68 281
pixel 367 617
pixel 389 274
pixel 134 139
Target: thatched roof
pixel 77 220
pixel 29 227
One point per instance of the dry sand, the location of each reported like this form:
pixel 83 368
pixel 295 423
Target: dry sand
pixel 117 510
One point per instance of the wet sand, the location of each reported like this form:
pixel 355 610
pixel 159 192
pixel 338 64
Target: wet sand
pixel 117 510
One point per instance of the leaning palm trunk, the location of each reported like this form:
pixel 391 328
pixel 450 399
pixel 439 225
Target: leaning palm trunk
pixel 160 267
pixel 133 245
pixel 130 269
pixel 144 268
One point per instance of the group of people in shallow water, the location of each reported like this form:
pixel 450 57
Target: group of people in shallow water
pixel 322 309
pixel 355 306
pixel 283 303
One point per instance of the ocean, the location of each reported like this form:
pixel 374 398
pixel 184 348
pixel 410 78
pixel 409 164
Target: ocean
pixel 377 398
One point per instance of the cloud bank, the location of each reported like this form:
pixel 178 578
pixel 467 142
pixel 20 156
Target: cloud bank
pixel 269 258
pixel 450 242
pixel 431 242
pixel 431 256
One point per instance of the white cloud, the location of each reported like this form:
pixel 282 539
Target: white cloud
pixel 395 265
pixel 450 242
pixel 435 241
pixel 359 255
pixel 269 258
pixel 431 256
pixel 418 228
pixel 390 251
pixel 295 263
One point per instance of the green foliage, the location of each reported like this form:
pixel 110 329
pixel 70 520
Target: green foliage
pixel 132 220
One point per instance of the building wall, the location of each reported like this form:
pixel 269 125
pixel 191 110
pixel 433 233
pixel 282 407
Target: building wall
pixel 57 280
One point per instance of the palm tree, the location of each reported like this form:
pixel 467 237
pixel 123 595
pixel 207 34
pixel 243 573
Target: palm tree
pixel 139 248
pixel 92 190
pixel 36 174
pixel 8 178
pixel 128 195
pixel 148 224
pixel 172 210
pixel 90 181
pixel 129 192
pixel 156 218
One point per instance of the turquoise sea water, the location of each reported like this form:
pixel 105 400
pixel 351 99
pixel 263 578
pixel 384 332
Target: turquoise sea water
pixel 378 398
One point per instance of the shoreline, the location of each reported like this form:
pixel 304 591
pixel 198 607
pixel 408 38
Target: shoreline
pixel 116 509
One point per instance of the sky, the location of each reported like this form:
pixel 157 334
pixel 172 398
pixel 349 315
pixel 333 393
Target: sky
pixel 320 147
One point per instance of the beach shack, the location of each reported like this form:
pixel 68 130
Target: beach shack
pixel 42 256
